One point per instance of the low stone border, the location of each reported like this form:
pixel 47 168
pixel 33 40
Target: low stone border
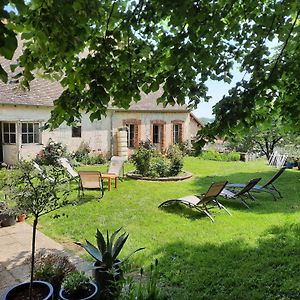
pixel 187 175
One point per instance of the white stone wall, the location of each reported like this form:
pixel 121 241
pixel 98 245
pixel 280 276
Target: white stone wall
pixel 96 134
pixel 194 127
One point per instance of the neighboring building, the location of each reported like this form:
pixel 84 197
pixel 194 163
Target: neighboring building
pixel 23 113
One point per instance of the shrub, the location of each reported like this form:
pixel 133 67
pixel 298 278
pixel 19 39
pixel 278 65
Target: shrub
pixel 93 160
pixel 75 283
pixel 82 152
pixel 141 160
pixel 52 268
pixel 175 155
pixel 159 167
pixel 151 163
pixel 186 148
pixel 212 154
pixel 51 153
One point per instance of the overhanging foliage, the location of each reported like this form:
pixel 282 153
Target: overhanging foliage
pixel 110 50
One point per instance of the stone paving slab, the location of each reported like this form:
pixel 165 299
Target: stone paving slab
pixel 15 249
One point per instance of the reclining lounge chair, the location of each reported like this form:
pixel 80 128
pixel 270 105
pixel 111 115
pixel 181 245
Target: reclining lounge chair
pixel 268 187
pixel 244 192
pixel 201 202
pixel 69 169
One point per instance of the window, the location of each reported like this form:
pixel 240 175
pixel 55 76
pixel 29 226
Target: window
pixel 9 133
pixel 30 133
pixel 76 131
pixel 156 134
pixel 176 133
pixel 130 135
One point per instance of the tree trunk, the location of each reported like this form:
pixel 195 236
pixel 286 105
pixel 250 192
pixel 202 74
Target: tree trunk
pixel 35 222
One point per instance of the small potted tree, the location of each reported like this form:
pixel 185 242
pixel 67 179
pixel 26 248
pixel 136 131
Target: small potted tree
pixel 107 266
pixel 77 286
pixel 37 195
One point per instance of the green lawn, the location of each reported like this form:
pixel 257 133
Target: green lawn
pixel 255 254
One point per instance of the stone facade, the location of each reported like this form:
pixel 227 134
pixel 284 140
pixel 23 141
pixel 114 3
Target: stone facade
pixel 100 135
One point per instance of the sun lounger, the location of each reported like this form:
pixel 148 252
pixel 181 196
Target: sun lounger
pixel 268 187
pixel 201 202
pixel 242 194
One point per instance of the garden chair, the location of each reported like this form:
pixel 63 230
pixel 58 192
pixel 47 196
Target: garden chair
pixel 64 162
pixel 244 192
pixel 90 180
pixel 201 202
pixel 115 170
pixel 268 187
pixel 44 175
pixel 42 172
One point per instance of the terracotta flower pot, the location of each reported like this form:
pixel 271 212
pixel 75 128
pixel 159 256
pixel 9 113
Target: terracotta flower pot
pixel 21 218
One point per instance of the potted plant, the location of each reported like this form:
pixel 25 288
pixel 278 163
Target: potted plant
pixel 53 268
pixel 77 286
pixel 107 266
pixel 37 195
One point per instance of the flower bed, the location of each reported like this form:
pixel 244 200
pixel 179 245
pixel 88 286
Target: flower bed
pixel 184 176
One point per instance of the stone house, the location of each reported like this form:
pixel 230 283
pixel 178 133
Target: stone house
pixel 23 113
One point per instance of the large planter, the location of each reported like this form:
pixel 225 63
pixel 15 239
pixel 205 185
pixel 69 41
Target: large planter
pixel 106 281
pixel 44 290
pixel 8 220
pixel 90 295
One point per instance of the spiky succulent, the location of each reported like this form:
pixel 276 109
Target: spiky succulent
pixel 106 253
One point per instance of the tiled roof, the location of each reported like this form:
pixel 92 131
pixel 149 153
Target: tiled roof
pixel 43 92
pixel 148 103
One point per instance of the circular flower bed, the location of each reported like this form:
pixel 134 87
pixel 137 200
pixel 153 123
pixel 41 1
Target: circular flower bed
pixel 185 175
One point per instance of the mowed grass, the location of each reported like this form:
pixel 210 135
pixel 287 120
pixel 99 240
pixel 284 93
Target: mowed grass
pixel 255 254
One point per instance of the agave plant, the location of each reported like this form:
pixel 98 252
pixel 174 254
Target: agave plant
pixel 106 254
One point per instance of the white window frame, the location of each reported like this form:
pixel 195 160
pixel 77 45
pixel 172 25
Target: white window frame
pixel 9 132
pixel 35 133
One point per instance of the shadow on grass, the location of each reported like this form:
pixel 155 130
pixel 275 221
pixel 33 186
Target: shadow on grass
pixel 235 270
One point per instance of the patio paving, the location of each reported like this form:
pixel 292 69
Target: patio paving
pixel 15 248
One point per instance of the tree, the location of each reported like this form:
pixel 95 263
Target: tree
pixel 36 195
pixel 262 138
pixel 103 51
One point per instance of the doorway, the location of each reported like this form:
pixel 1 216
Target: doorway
pixel 157 136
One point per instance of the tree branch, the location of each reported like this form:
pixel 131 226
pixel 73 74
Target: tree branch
pixel 284 46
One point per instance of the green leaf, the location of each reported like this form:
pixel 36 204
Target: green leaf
pixel 3 75
pixel 100 241
pixel 93 251
pixel 119 245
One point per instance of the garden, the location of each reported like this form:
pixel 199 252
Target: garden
pixel 252 254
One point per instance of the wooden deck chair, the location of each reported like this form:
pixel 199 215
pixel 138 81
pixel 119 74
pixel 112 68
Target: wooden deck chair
pixel 201 202
pixel 268 187
pixel 242 194
pixel 90 180
pixel 64 162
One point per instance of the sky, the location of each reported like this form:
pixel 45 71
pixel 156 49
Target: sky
pixel 216 89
